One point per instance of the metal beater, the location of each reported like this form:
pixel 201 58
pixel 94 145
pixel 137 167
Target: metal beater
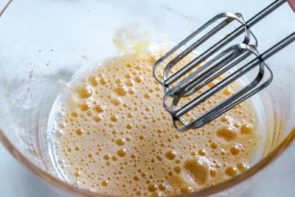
pixel 224 59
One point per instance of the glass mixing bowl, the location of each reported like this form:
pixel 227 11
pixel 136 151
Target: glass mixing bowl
pixel 43 43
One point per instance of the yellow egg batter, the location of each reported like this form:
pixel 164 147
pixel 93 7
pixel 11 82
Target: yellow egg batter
pixel 116 138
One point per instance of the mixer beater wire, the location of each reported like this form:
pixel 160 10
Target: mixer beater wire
pixel 218 59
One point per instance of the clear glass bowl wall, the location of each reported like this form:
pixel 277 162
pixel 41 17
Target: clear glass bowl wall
pixel 44 42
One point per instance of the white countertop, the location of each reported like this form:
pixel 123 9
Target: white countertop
pixel 15 180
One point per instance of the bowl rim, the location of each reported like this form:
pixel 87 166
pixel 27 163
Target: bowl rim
pixel 56 182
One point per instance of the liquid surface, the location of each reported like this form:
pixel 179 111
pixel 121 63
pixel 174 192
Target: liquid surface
pixel 113 136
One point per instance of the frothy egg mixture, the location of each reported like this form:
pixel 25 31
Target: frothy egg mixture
pixel 114 136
